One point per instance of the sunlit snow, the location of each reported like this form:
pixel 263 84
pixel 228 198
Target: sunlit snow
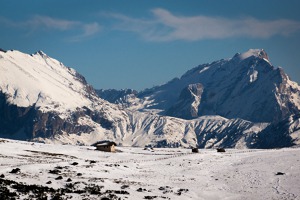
pixel 161 173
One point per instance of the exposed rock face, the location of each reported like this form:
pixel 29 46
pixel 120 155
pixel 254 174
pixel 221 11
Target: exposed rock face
pixel 285 133
pixel 29 122
pixel 188 102
pixel 117 96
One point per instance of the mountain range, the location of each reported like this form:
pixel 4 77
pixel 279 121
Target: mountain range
pixel 241 102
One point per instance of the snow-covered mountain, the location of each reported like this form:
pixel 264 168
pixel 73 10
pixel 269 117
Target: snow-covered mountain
pixel 41 99
pixel 246 86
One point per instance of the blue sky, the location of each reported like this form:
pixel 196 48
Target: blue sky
pixel 142 43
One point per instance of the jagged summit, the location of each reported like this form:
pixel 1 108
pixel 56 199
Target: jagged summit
pixel 260 53
pixel 40 52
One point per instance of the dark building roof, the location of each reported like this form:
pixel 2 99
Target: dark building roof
pixel 104 143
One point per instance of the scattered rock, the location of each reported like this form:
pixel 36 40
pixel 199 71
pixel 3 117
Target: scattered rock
pixel 150 197
pixel 279 173
pixel 183 190
pixel 49 182
pixel 2 176
pixel 69 180
pixel 180 191
pixel 14 171
pixel 55 171
pixel 141 190
pixel 92 161
pixel 124 186
pixel 74 163
pixel 79 174
pixel 121 192
pixel 161 188
pixel 59 178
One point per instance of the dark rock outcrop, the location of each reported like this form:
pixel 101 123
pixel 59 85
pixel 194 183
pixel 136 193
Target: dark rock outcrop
pixel 187 105
pixel 278 135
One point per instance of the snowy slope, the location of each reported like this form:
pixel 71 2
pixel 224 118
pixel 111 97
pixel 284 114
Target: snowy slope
pixel 49 98
pixel 134 173
pixel 41 81
pixel 246 86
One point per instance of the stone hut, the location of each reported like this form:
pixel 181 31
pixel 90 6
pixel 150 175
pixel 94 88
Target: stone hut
pixel 106 146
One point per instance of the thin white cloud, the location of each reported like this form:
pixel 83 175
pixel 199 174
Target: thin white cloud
pixel 91 29
pixel 45 23
pixel 165 26
pixel 51 23
pixel 88 30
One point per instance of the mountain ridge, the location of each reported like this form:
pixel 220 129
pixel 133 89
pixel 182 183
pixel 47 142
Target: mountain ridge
pixel 245 86
pixel 52 103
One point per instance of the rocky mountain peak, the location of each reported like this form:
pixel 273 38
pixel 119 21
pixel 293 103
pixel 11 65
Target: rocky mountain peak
pixel 259 53
pixel 42 54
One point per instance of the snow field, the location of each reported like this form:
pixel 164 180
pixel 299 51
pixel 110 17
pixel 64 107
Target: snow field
pixel 160 174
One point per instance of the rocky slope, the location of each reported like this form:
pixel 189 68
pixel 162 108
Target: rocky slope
pixel 246 86
pixel 281 134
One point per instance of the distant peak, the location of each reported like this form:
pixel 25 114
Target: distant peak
pixel 260 53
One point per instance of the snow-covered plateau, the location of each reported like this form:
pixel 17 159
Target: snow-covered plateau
pixel 43 171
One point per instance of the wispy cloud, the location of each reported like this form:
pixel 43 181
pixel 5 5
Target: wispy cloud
pixel 45 23
pixel 50 23
pixel 165 26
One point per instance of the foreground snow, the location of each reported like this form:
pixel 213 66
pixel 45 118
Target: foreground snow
pixel 135 173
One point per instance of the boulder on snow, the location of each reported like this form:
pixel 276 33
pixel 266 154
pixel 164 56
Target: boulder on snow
pixel 221 150
pixel 195 150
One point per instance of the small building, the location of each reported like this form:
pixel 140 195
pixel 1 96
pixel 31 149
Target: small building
pixel 106 146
